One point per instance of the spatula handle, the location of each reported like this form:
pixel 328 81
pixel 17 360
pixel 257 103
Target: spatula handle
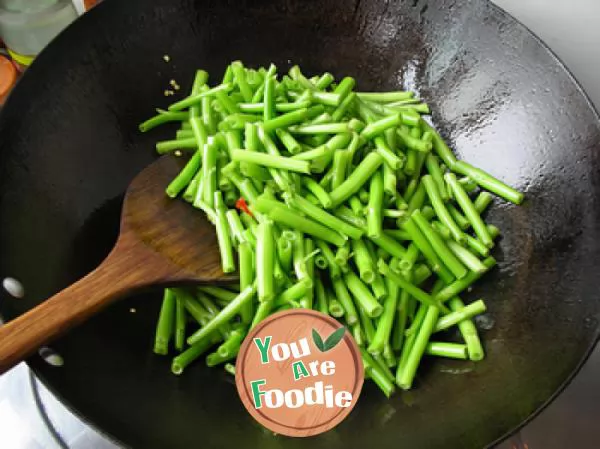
pixel 121 272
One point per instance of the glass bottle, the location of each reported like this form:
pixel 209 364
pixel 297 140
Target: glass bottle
pixel 27 26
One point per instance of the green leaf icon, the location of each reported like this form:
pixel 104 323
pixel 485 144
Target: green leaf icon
pixel 334 338
pixel 318 340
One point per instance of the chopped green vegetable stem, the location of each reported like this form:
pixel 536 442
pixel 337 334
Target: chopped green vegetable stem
pixel 347 203
pixel 447 350
pixel 166 323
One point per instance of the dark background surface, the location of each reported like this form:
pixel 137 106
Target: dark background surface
pixel 570 422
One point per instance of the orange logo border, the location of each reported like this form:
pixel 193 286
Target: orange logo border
pixel 245 394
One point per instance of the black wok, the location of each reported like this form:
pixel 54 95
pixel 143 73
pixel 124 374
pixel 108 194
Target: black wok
pixel 69 145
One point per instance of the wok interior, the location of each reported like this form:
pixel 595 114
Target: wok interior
pixel 69 146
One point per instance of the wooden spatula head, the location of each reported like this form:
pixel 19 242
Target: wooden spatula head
pixel 171 228
pixel 163 241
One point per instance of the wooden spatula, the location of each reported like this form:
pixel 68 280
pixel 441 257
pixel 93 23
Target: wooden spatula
pixel 162 241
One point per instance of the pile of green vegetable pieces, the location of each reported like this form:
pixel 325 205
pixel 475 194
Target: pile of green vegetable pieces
pixel 341 201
